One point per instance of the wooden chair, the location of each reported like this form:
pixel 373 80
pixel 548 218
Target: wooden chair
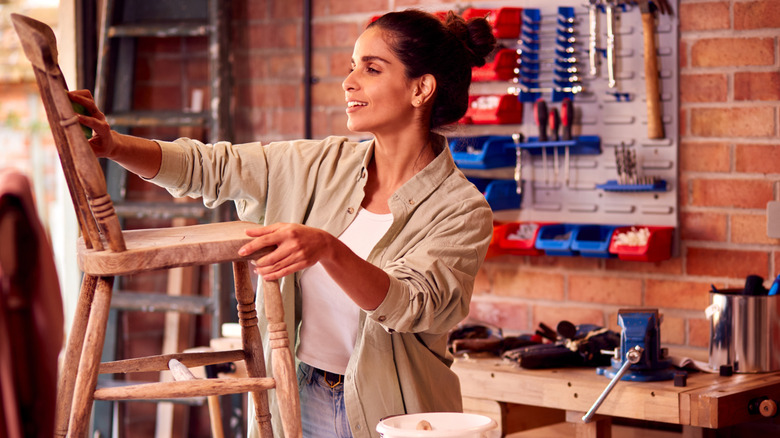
pixel 106 251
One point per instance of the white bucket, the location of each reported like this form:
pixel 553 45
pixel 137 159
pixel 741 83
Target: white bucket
pixel 443 425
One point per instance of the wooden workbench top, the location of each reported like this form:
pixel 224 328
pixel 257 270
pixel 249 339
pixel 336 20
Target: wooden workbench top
pixel 707 400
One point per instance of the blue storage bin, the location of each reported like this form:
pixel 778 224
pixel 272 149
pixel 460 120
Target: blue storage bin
pixel 501 194
pixel 483 152
pixel 557 239
pixel 593 240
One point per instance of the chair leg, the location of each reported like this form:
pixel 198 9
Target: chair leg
pixel 252 343
pixel 282 361
pixel 86 378
pixel 67 380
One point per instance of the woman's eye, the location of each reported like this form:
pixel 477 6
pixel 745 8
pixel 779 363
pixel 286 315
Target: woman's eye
pixel 372 70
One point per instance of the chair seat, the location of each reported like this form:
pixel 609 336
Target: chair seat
pixel 164 248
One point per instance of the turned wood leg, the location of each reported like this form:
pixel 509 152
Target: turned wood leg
pixel 282 361
pixel 86 379
pixel 67 379
pixel 252 343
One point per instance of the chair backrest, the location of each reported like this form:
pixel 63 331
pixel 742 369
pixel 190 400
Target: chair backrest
pixel 83 173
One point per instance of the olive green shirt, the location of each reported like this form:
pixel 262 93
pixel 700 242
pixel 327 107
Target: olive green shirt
pixel 441 229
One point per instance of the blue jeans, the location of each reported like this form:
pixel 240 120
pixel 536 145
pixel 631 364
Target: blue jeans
pixel 323 414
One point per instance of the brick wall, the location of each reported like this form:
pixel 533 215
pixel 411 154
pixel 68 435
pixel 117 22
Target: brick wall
pixel 730 87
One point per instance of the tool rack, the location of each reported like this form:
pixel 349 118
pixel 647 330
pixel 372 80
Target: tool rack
pixel 552 55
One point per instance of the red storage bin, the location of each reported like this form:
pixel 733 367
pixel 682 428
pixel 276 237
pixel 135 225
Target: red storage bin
pixel 657 248
pixel 493 110
pixel 517 238
pixel 506 22
pixel 501 68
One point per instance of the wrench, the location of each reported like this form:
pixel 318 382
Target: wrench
pixel 593 12
pixel 611 81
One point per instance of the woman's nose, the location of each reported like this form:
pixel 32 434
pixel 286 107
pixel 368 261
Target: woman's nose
pixel 349 83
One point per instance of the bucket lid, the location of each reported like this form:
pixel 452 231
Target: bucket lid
pixel 443 425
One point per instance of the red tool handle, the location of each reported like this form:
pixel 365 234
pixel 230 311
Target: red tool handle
pixel 567 118
pixel 555 123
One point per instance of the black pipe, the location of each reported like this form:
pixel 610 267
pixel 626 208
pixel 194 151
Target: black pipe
pixel 307 76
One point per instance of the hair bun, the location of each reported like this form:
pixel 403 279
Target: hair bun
pixel 476 35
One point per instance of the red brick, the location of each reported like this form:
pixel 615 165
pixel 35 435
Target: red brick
pixel 335 35
pixel 607 290
pixel 750 228
pixel 552 315
pixel 704 16
pixel 340 64
pixel 342 7
pixel 684 186
pixel 699 332
pixel 672 330
pixel 277 95
pixel 290 123
pixel 671 266
pixel 731 193
pixel 776 265
pixel 250 10
pixel 682 53
pixel 757 158
pixel 250 66
pixel 286 9
pixel 273 36
pixel 754 121
pixel 573 263
pixel 482 282
pixel 695 88
pixel 709 227
pixel 158 98
pixel 509 315
pixel 729 263
pixel 757 86
pixel 328 93
pixel 756 15
pixel 671 294
pixel 522 283
pixel 320 64
pixel 285 65
pixel 733 52
pixel 704 157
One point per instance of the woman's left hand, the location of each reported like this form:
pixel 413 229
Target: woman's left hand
pixel 297 247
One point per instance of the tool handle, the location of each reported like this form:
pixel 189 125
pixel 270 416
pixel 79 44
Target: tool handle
pixel 555 123
pixel 632 356
pixel 540 115
pixel 567 118
pixel 611 80
pixel 593 55
pixel 655 126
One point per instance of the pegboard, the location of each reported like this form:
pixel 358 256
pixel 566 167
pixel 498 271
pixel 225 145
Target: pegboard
pixel 617 117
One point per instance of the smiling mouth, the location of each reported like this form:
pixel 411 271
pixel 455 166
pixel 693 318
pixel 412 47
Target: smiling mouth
pixel 354 104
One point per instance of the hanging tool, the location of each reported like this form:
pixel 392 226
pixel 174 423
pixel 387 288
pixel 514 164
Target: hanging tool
pixel 555 123
pixel 540 116
pixel 517 138
pixel 655 125
pixel 593 56
pixel 567 120
pixel 612 80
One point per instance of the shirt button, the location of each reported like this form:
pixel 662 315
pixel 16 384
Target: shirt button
pixel 350 210
pixel 357 426
pixel 411 202
pixel 382 318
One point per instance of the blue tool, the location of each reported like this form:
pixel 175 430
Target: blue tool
pixel 775 286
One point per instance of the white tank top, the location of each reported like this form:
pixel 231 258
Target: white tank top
pixel 330 318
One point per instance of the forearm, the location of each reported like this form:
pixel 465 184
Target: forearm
pixel 365 283
pixel 138 155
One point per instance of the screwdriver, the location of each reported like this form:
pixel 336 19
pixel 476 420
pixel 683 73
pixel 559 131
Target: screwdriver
pixel 540 116
pixel 567 120
pixel 555 122
pixel 517 138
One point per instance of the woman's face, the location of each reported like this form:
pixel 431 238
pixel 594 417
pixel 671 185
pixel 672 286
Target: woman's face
pixel 378 94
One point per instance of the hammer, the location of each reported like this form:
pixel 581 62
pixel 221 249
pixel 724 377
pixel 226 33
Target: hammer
pixel 655 126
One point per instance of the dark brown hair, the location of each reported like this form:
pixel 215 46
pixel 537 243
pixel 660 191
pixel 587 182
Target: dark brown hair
pixel 446 49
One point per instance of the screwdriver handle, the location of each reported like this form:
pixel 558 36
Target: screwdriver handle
pixel 555 123
pixel 567 118
pixel 540 116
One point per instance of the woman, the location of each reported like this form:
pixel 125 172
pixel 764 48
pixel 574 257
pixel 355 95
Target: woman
pixel 384 237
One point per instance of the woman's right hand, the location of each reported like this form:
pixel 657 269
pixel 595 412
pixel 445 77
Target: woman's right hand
pixel 136 154
pixel 102 140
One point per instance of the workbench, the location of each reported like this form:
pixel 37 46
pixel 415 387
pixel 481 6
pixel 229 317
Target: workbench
pixel 708 401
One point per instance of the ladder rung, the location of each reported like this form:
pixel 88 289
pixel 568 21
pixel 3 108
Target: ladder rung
pixel 160 30
pixel 156 302
pixel 161 210
pixel 157 118
pixel 189 401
